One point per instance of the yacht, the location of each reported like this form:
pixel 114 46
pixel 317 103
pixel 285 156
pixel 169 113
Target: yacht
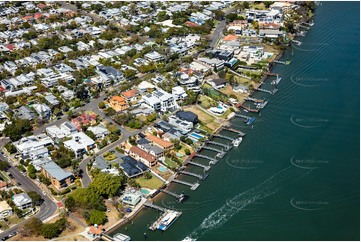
pixel 236 142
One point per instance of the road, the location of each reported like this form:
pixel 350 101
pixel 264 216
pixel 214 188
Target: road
pixel 83 165
pixel 48 207
pixel 74 8
pixel 218 32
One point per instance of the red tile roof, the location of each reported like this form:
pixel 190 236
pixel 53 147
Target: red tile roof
pixel 130 93
pixel 159 141
pixel 10 46
pixel 96 231
pixel 138 151
pixel 191 24
pixel 230 37
pixel 38 15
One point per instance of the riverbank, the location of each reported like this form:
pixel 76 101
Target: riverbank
pixel 222 125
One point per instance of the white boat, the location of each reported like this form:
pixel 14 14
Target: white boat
pixel 167 219
pixel 236 142
pixel 121 237
pixel 245 110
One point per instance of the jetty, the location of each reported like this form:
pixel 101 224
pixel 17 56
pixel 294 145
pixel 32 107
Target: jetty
pixel 193 186
pixel 156 207
pixel 226 147
pixel 199 176
pixel 204 157
pixel 282 62
pixel 250 109
pixel 242 116
pixel 275 82
pixel 240 133
pixel 254 100
pixel 205 167
pixel 271 74
pixel 223 137
pixel 297 42
pixel 262 105
pixel 212 149
pixel 177 196
pixel 106 237
pixel 263 90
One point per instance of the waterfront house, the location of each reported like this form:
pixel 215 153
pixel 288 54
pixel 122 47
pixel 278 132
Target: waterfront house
pixel 183 125
pixel 131 198
pixel 139 154
pixel 131 167
pixel 218 83
pixel 95 231
pixel 160 142
pixel 187 116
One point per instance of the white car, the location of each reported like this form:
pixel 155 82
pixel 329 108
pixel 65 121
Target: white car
pixel 44 193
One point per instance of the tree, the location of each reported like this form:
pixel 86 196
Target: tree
pixel 187 151
pixel 101 105
pixel 90 134
pixel 81 92
pixel 107 185
pixel 110 111
pixel 35 197
pixel 70 204
pixel 52 230
pixel 31 171
pixel 32 227
pixel 147 175
pixel 87 198
pixel 97 217
pixel 162 16
pixel 267 4
pixel 17 128
pixel 246 4
pixel 4 165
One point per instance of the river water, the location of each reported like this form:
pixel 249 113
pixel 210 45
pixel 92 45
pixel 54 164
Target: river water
pixel 296 175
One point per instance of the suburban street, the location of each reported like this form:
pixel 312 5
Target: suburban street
pixel 218 32
pixel 48 207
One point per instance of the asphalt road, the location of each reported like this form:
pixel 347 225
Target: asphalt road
pixel 48 207
pixel 218 32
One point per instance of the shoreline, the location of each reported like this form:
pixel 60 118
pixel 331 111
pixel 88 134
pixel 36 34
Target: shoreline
pixel 280 54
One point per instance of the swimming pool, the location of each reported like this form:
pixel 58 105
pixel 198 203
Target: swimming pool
pixel 162 169
pixel 144 191
pixel 197 136
pixel 179 155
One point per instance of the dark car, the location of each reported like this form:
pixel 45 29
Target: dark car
pixel 5 238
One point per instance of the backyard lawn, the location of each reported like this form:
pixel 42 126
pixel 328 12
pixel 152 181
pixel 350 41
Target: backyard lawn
pixel 206 119
pixel 109 156
pixel 152 183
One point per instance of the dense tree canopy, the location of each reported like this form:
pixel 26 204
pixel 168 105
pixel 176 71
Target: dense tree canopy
pixel 17 128
pixel 107 185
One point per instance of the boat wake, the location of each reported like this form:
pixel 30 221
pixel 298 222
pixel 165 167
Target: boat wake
pixel 234 205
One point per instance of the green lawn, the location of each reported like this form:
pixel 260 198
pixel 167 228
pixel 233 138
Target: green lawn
pixel 153 183
pixel 171 163
pixel 206 102
pixel 109 156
